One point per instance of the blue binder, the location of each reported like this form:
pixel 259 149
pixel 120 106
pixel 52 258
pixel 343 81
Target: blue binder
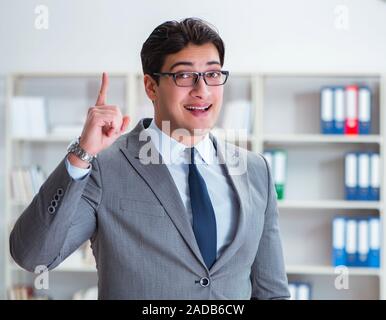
pixel 327 110
pixel 351 176
pixel 303 291
pixel 351 245
pixel 338 241
pixel 375 177
pixel 339 110
pixel 363 242
pixel 364 110
pixel 374 243
pixel 364 176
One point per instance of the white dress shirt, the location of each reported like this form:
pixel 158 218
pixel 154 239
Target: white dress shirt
pixel 176 158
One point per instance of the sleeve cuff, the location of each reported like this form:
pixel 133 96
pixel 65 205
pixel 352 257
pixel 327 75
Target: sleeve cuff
pixel 75 172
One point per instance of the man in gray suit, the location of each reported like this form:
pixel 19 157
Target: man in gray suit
pixel 171 211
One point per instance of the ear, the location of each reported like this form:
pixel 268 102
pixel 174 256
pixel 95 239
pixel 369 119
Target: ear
pixel 150 87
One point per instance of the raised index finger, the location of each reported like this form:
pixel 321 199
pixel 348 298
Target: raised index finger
pixel 102 93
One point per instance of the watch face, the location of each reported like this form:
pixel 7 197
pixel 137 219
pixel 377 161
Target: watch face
pixel 83 156
pixel 78 151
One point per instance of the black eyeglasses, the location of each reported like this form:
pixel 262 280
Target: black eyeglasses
pixel 190 79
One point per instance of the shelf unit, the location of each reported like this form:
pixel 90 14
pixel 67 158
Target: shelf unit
pixel 288 118
pixel 303 139
pixel 314 193
pixel 329 204
pixel 328 270
pixel 63 92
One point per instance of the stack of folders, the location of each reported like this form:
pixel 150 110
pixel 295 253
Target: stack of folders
pixel 28 117
pixel 345 110
pixel 237 115
pixel 277 160
pixel 26 182
pixel 356 241
pixel 362 176
pixel 299 290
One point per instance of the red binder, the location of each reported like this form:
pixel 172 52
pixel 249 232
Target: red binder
pixel 351 123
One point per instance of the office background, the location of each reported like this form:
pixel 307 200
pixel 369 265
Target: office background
pixel 262 38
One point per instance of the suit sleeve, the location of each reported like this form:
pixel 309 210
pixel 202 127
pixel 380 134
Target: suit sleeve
pixel 268 276
pixel 60 218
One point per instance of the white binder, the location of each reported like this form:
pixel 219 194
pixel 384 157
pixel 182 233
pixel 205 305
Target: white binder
pixel 339 110
pixel 364 110
pixel 338 241
pixel 303 292
pixel 364 176
pixel 363 242
pixel 351 178
pixel 375 177
pixel 327 110
pixel 351 242
pixel 292 290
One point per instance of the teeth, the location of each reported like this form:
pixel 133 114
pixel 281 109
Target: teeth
pixel 196 108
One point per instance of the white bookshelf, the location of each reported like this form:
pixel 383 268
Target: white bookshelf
pixel 284 114
pixel 47 139
pixel 289 119
pixel 67 98
pixel 304 139
pixel 328 270
pixel 329 204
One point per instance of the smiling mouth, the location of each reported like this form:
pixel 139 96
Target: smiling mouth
pixel 198 109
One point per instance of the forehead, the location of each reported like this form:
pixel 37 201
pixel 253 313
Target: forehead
pixel 198 55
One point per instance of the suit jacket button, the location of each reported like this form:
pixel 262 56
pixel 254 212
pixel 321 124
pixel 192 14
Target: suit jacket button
pixel 59 192
pixel 51 209
pixel 54 203
pixel 204 282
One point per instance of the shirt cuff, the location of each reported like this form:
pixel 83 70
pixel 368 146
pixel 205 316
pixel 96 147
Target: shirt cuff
pixel 75 172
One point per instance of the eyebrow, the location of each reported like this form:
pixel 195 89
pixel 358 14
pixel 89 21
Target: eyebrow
pixel 190 64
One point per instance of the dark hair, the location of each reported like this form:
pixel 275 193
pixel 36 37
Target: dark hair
pixel 173 36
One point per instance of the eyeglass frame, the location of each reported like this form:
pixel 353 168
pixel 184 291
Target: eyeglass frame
pixel 199 75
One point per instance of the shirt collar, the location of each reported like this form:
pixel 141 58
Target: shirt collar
pixel 173 152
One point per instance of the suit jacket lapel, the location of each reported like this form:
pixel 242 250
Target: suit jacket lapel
pixel 158 178
pixel 235 166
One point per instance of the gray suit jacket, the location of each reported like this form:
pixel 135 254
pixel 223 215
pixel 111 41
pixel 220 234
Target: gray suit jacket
pixel 141 237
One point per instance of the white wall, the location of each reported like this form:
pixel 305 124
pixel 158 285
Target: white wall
pixel 280 35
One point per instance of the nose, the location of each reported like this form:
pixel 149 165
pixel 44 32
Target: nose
pixel 200 90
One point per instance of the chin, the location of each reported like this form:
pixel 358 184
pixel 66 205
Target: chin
pixel 199 129
pixel 196 126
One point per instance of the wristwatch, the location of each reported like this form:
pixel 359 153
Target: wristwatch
pixel 75 148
